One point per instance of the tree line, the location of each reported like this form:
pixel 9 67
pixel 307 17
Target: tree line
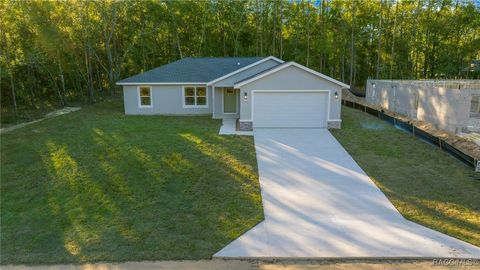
pixel 54 53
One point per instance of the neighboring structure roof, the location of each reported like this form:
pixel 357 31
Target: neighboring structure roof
pixel 285 65
pixel 192 70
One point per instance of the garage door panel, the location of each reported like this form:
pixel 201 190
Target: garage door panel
pixel 290 109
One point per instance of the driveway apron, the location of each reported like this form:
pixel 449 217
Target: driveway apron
pixel 319 203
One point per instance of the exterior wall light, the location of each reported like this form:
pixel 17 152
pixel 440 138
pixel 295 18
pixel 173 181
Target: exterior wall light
pixel 336 95
pixel 245 96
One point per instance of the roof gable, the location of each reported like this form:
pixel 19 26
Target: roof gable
pixel 191 70
pixel 283 66
pixel 279 61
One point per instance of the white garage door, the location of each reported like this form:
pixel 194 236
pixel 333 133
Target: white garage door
pixel 290 109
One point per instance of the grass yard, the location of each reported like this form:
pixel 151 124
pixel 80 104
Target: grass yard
pixel 96 185
pixel 425 184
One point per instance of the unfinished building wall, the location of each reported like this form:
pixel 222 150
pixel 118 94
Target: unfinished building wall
pixel 447 105
pixel 447 109
pixel 392 96
pixel 474 121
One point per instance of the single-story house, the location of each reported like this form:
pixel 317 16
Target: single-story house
pixel 257 91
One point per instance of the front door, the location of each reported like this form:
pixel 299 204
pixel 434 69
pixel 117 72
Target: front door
pixel 229 100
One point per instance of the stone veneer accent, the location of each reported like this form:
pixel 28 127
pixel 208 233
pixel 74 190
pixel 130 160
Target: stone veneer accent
pixel 245 125
pixel 334 124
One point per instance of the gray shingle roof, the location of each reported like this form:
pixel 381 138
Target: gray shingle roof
pixel 192 70
pixel 262 72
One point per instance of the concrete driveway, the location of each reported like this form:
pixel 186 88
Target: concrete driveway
pixel 319 203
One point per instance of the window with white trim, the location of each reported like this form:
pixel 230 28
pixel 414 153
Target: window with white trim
pixel 195 96
pixel 145 96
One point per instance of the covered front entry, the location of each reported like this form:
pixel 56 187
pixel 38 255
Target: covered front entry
pixel 230 101
pixel 290 108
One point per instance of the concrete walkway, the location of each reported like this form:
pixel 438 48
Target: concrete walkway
pixel 319 203
pixel 229 127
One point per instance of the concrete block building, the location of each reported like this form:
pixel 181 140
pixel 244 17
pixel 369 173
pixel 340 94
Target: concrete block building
pixel 450 105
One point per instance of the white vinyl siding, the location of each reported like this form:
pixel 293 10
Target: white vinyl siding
pixel 165 99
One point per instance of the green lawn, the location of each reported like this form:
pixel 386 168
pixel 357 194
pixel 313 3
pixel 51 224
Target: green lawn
pixel 98 185
pixel 425 184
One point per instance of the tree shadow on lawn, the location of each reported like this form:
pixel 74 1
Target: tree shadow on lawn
pixel 431 195
pixel 30 230
pixel 452 221
pixel 426 184
pixel 164 192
